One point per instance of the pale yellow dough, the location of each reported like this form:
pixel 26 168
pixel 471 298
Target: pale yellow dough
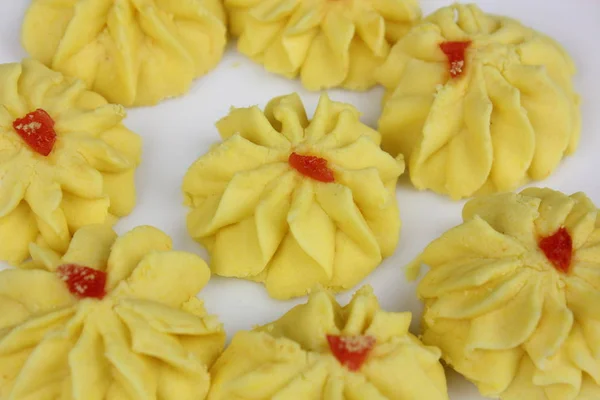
pixel 260 219
pixel 88 178
pixel 511 117
pixel 328 43
pixel 133 52
pixel 290 358
pixel 149 338
pixel 503 316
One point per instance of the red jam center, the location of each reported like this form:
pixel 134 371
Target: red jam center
pixel 455 51
pixel 82 281
pixel 312 167
pixel 37 130
pixel 558 249
pixel 351 351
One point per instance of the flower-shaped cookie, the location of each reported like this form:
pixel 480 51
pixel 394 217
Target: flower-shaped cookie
pixel 478 103
pixel 108 320
pixel 512 296
pixel 329 43
pixel 66 160
pixel 320 350
pixel 133 52
pixel 293 202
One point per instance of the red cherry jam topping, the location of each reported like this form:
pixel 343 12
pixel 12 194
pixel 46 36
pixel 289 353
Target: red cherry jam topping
pixel 351 351
pixel 82 281
pixel 37 130
pixel 312 167
pixel 455 51
pixel 558 249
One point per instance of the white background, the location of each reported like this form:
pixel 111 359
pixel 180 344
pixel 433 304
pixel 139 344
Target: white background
pixel 178 131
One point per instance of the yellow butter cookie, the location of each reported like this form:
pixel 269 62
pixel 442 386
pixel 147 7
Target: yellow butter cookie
pixel 110 319
pixel 328 43
pixel 66 160
pixel 133 52
pixel 478 103
pixel 320 350
pixel 512 296
pixel 294 202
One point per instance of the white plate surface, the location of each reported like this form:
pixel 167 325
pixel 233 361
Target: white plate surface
pixel 178 131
